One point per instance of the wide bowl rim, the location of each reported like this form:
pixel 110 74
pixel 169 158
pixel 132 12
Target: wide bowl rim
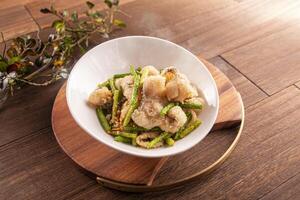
pixel 116 147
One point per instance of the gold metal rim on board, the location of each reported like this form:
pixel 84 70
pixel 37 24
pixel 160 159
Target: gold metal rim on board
pixel 144 188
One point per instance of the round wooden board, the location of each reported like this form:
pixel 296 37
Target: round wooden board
pixel 129 173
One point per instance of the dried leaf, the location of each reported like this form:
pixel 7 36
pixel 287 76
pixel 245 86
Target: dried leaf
pixel 40 48
pixel 11 52
pixel 111 3
pixel 29 52
pixel 108 3
pixel 90 4
pixel 45 10
pixel 30 43
pixel 20 40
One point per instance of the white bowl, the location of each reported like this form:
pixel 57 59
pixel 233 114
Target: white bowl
pixel 115 56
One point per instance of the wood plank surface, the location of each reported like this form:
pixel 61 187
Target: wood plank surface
pixel 298 84
pixel 34 167
pixel 212 33
pixel 15 21
pixel 250 93
pixel 288 190
pixel 280 58
pixel 9 3
pixel 255 42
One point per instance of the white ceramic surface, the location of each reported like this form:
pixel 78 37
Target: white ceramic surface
pixel 115 56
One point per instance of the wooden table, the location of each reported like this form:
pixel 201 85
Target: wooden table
pixel 256 43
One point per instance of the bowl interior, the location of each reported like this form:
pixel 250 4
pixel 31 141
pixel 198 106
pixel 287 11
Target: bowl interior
pixel 115 56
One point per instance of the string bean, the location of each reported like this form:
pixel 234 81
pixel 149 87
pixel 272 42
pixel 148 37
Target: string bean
pixel 189 117
pixel 191 105
pixel 192 126
pixel 116 98
pixel 102 119
pixel 134 97
pixel 166 109
pixel 122 139
pixel 156 140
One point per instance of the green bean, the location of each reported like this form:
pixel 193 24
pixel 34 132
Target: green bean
pixel 170 141
pixel 121 75
pixel 145 73
pixel 133 141
pixel 140 129
pixel 112 84
pixel 122 139
pixel 192 126
pixel 191 105
pixel 103 84
pixel 102 119
pixel 134 96
pixel 166 109
pixel 115 105
pixel 189 117
pixel 156 140
pixel 134 129
pixel 128 135
pixel 139 69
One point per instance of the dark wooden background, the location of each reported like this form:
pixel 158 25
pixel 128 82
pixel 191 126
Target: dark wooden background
pixel 256 43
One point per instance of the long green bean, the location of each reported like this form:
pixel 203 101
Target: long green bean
pixel 102 119
pixel 121 75
pixel 156 140
pixel 191 105
pixel 140 129
pixel 134 96
pixel 112 84
pixel 122 139
pixel 192 126
pixel 128 135
pixel 170 141
pixel 116 98
pixel 103 84
pixel 145 73
pixel 166 109
pixel 189 117
pixel 133 141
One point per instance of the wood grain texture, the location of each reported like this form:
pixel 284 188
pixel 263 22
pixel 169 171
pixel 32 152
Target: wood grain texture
pixel 16 21
pixel 29 109
pixel 8 3
pixel 298 84
pixel 103 161
pixel 221 30
pixel 249 92
pixel 266 161
pixel 158 15
pixel 288 190
pixel 34 167
pixel 280 58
